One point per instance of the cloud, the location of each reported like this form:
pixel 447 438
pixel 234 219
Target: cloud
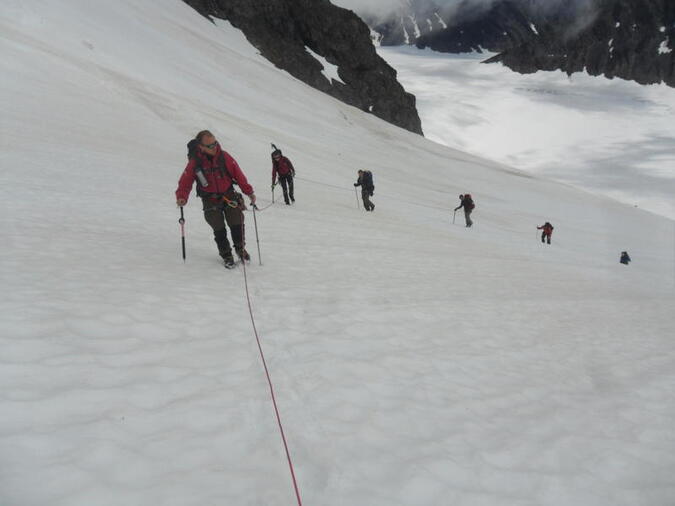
pixel 386 7
pixel 371 8
pixel 581 11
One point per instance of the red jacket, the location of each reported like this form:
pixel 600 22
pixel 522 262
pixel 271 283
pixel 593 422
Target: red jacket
pixel 219 180
pixel 547 228
pixel 283 167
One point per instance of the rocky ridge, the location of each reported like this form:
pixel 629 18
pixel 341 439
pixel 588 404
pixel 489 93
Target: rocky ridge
pixel 630 39
pixel 284 30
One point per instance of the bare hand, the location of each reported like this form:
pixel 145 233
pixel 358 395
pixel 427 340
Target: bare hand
pixel 181 202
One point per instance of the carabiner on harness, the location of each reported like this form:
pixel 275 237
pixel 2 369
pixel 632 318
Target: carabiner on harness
pixel 233 204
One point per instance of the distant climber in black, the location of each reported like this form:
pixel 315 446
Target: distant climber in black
pixel 365 181
pixel 468 205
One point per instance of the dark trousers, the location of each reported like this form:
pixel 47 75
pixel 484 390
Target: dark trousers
pixel 467 217
pixel 367 204
pixel 546 236
pixel 217 214
pixel 286 181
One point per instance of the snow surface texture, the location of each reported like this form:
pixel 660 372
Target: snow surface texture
pixel 416 362
pixel 611 137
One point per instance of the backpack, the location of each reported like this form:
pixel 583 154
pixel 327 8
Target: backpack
pixel 468 201
pixel 368 181
pixel 192 149
pixel 192 155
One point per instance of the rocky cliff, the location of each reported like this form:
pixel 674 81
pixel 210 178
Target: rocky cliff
pixel 474 26
pixel 631 39
pixel 284 30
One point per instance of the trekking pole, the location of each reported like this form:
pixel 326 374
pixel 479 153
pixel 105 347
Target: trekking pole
pixel 255 223
pixel 182 231
pixel 356 194
pixel 273 186
pixel 453 216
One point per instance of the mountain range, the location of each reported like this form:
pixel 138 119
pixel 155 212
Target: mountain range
pixel 630 39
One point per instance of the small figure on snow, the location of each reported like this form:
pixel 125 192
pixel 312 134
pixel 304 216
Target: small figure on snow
pixel 547 232
pixel 284 168
pixel 365 181
pixel 467 203
pixel 625 258
pixel 215 172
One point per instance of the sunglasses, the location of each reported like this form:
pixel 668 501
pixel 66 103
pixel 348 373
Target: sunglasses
pixel 210 146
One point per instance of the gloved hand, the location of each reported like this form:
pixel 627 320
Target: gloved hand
pixel 356 184
pixel 252 197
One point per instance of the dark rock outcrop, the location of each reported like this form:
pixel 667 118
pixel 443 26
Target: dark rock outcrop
pixel 476 27
pixel 281 29
pixel 630 39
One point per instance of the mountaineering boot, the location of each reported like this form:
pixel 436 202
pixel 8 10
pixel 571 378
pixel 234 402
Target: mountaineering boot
pixel 243 254
pixel 228 261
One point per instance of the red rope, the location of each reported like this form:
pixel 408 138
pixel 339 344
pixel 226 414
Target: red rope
pixel 269 381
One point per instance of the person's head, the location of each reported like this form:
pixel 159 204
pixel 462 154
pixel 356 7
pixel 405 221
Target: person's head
pixel 207 142
pixel 276 154
pixel 360 172
pixel 461 197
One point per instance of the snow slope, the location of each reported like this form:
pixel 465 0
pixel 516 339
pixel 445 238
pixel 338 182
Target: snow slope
pixel 414 362
pixel 610 137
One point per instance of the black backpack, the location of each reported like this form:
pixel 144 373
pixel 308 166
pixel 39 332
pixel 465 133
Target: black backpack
pixel 368 181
